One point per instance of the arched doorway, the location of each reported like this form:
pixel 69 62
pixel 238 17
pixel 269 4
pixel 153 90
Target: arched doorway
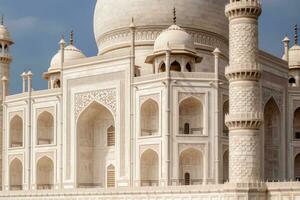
pixel 297 167
pixel 296 124
pixel 92 149
pixel 16 131
pixel 44 174
pixel 226 166
pixel 191 163
pixel 149 168
pixel 175 66
pixel 45 128
pixel 16 175
pixel 272 130
pixel 225 112
pixel 191 116
pixel 149 118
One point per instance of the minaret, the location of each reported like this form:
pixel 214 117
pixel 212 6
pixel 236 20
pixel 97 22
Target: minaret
pixel 5 57
pixel 244 74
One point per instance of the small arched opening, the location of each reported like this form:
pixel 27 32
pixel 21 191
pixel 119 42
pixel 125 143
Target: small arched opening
pixel 225 112
pixel 296 124
pixel 188 67
pixel 162 68
pixel 149 168
pixel 226 166
pixel 111 136
pixel 175 66
pixel 297 167
pixel 111 173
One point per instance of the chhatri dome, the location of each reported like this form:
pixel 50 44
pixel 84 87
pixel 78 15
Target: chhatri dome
pixel 70 53
pixel 204 19
pixel 4 33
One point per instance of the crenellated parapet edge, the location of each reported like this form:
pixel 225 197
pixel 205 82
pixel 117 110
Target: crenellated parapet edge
pixel 243 8
pixel 250 72
pixel 249 120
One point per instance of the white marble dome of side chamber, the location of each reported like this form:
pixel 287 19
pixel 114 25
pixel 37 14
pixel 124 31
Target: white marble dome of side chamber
pixel 71 53
pixel 197 15
pixel 174 38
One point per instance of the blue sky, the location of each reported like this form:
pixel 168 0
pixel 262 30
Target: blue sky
pixel 37 25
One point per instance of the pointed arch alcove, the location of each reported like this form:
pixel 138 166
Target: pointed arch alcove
pixel 16 175
pixel 45 128
pixel 149 168
pixel 44 173
pixel 149 118
pixel 16 131
pixel 191 163
pixel 92 127
pixel 272 138
pixel 191 116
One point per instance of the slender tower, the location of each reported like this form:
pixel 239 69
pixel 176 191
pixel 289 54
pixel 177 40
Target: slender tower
pixel 5 57
pixel 244 73
pixel 5 60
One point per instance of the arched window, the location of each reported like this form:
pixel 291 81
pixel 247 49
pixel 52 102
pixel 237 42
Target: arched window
pixel 226 166
pixel 111 176
pixel 56 83
pixel 16 131
pixel 272 130
pixel 191 163
pixel 175 66
pixel 297 168
pixel 149 168
pixel 188 67
pixel 45 174
pixel 5 48
pixel 16 175
pixel 292 81
pixel 45 128
pixel 149 118
pixel 162 67
pixel 296 125
pixel 92 150
pixel 191 116
pixel 187 179
pixel 225 112
pixel 111 136
pixel 1 48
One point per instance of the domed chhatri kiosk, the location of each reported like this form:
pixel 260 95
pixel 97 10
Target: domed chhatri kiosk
pixel 173 106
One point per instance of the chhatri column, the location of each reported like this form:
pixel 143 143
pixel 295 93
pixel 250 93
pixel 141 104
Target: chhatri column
pixel 244 74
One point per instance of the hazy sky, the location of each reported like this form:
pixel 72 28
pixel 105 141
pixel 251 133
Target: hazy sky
pixel 36 27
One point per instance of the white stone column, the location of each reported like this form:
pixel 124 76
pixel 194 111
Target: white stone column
pixel 244 73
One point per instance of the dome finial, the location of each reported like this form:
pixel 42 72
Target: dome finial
pixel 296 34
pixel 174 15
pixel 72 37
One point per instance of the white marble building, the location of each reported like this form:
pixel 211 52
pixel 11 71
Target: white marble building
pixel 146 116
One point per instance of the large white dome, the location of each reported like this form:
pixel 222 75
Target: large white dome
pixel 199 17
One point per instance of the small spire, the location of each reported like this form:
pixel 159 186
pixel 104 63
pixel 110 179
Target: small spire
pixel 2 19
pixel 132 25
pixel 296 34
pixel 71 37
pixel 174 15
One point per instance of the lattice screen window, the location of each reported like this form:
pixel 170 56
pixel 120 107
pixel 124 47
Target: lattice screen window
pixel 111 136
pixel 110 176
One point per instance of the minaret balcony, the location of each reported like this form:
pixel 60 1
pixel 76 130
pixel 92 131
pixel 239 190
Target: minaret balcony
pixel 243 8
pixel 243 72
pixel 5 57
pixel 251 120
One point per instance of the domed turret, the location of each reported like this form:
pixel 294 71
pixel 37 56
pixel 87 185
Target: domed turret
pixel 70 53
pixel 174 38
